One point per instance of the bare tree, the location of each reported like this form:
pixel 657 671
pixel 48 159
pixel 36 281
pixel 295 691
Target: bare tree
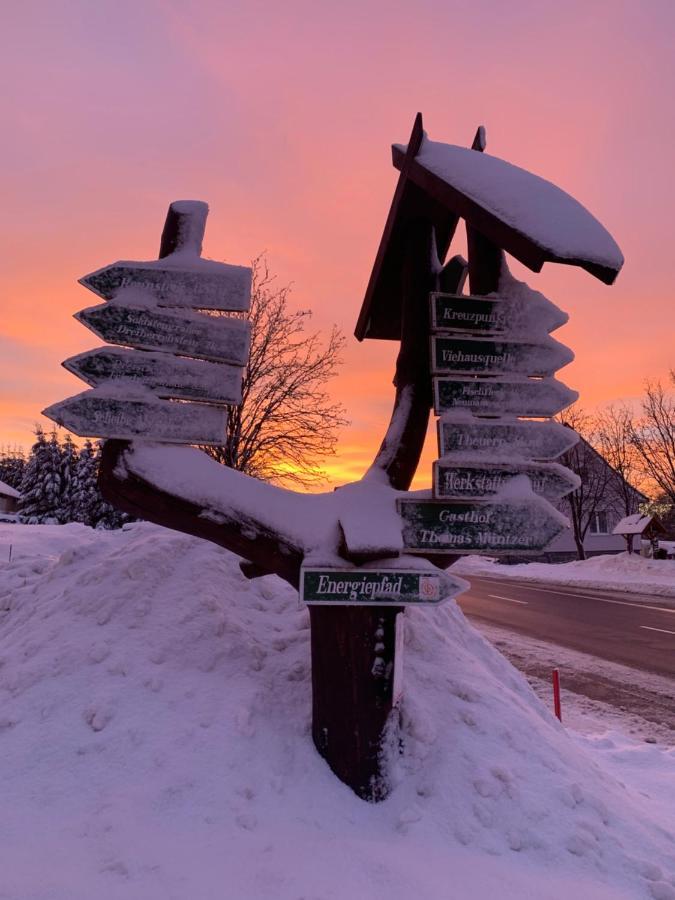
pixel 287 421
pixel 590 497
pixel 653 437
pixel 613 432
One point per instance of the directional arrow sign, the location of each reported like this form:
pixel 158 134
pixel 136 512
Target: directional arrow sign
pixel 497 356
pixel 492 438
pixel 524 526
pixel 377 587
pixel 502 396
pixel 189 334
pixel 495 315
pixel 98 414
pixel 464 480
pixel 165 375
pixel 202 284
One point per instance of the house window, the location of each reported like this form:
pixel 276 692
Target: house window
pixel 599 524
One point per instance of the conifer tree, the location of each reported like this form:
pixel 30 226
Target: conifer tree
pixel 85 493
pixel 12 466
pixel 68 485
pixel 41 480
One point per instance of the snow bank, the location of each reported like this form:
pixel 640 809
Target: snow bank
pixel 155 742
pixel 618 572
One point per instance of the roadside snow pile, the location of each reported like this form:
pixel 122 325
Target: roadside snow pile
pixel 618 572
pixel 155 743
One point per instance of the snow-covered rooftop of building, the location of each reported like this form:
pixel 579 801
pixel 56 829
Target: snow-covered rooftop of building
pixel 536 208
pixel 7 491
pixel 634 524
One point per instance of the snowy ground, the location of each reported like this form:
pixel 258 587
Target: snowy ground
pixel 154 736
pixel 622 572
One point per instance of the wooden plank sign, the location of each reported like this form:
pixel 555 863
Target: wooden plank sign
pixel 100 414
pixel 495 315
pixel 490 438
pixel 502 396
pixel 219 339
pixel 497 356
pixel 475 479
pixel 168 376
pixel 201 285
pixel 518 526
pixel 376 587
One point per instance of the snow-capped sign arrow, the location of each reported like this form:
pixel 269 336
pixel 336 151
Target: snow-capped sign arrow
pixel 377 586
pixel 199 283
pixel 518 526
pixel 489 439
pixel 502 396
pixel 102 413
pixel 474 479
pixel 168 376
pixel 188 334
pixel 495 315
pixel 498 356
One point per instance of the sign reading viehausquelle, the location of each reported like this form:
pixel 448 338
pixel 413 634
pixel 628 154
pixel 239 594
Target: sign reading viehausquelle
pixel 376 587
pixel 498 356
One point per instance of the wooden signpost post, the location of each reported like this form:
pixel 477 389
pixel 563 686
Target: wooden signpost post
pixel 485 358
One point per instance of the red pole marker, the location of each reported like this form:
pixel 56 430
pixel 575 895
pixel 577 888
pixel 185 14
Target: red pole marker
pixel 556 695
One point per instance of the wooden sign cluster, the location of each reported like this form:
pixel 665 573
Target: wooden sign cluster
pixel 493 483
pixel 175 368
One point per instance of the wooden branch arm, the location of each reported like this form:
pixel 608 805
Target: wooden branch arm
pixel 241 533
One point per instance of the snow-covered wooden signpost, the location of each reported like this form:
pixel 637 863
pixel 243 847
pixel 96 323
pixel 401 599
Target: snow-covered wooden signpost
pixel 361 554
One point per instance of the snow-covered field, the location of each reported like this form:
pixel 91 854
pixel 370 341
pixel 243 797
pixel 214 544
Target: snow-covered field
pixel 622 572
pixel 155 743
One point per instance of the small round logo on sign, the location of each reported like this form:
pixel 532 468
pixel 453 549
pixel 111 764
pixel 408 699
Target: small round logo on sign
pixel 429 587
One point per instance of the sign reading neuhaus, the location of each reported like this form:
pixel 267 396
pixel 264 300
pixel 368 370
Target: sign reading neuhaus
pixel 519 526
pixel 376 587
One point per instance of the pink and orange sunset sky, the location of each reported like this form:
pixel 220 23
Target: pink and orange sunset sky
pixel 281 116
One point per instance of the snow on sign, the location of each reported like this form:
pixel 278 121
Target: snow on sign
pixel 469 479
pixel 518 526
pixel 168 376
pixel 379 587
pixel 498 437
pixel 495 315
pixel 178 355
pixel 204 285
pixel 99 414
pixel 189 334
pixel 497 356
pixel 504 396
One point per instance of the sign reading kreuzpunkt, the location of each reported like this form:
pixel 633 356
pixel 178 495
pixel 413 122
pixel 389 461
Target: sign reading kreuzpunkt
pixel 376 587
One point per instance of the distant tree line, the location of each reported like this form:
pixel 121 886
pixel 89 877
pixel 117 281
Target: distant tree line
pixel 639 446
pixel 58 482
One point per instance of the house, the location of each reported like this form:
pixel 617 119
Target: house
pixel 9 499
pixel 603 501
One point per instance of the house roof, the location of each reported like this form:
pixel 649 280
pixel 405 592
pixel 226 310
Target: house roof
pixel 7 491
pixel 527 216
pixel 638 524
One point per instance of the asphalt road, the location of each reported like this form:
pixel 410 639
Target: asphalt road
pixel 618 627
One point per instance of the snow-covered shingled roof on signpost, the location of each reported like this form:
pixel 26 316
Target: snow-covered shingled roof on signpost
pixel 7 491
pixel 527 216
pixel 638 524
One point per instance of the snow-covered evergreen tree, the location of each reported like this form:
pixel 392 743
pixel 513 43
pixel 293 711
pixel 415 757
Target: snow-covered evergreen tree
pixel 41 484
pixel 65 511
pixel 12 466
pixel 85 492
